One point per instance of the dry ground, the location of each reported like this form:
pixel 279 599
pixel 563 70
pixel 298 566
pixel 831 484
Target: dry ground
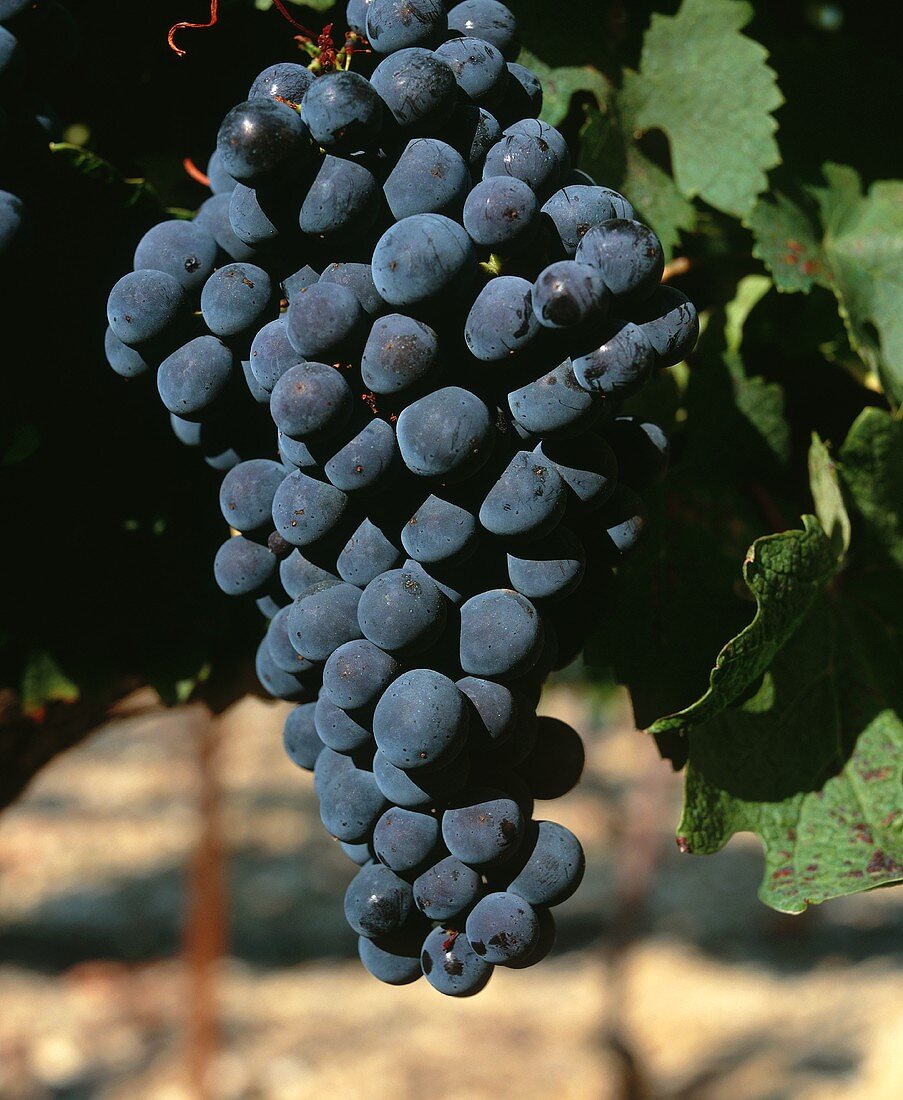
pixel 712 996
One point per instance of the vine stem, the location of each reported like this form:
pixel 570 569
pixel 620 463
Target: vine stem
pixel 206 934
pixel 286 14
pixel 639 852
pixel 680 265
pixel 195 173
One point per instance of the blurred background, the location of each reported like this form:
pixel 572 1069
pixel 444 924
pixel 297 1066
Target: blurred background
pixel 171 926
pixel 170 909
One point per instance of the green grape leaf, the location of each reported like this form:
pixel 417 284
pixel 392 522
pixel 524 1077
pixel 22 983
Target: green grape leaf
pixel 560 84
pixel 761 405
pixel 808 752
pixel 856 251
pixel 710 89
pixel 43 682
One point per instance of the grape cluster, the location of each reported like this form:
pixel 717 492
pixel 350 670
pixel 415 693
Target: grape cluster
pixel 438 320
pixel 34 37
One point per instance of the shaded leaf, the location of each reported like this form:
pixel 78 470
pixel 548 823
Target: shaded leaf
pixel 856 251
pixel 782 766
pixel 760 403
pixel 170 682
pixel 864 245
pixel 872 473
pixel 742 421
pixel 663 619
pixel 560 84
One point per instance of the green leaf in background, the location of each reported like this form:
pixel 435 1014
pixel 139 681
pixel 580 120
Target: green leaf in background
pixel 787 241
pixel 759 403
pixel 811 760
pixel 750 291
pixel 828 497
pixel 177 675
pixel 857 252
pixel 43 682
pixel 560 84
pixel 864 247
pixel 314 5
pixel 742 429
pixel 872 474
pixel 710 89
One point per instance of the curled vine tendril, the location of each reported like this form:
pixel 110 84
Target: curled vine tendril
pixel 214 17
pixel 171 37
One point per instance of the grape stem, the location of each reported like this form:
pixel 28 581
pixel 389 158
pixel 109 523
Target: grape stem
pixel 205 936
pixel 326 58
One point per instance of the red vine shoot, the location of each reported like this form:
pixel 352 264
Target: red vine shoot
pixel 196 174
